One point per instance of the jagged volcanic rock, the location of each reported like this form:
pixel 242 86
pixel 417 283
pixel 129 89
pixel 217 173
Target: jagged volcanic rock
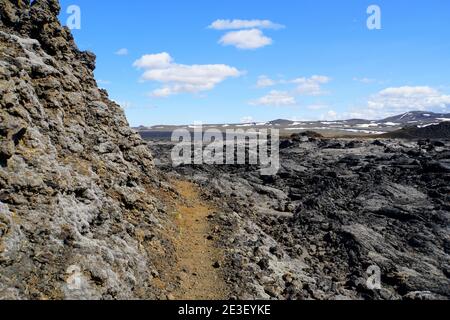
pixel 76 209
pixel 335 209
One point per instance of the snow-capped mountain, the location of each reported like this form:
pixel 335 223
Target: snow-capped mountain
pixel 418 117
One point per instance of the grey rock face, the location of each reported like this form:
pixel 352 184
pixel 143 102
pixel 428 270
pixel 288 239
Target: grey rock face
pixel 75 180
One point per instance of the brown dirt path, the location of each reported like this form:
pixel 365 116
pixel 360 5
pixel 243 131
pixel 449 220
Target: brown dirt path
pixel 200 279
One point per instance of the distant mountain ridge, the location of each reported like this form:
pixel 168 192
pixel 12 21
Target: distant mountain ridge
pixel 439 131
pixel 409 118
pixel 418 116
pixel 404 118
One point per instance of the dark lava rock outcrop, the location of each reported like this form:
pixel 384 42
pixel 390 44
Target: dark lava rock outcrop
pixel 337 211
pixel 79 217
pixel 434 131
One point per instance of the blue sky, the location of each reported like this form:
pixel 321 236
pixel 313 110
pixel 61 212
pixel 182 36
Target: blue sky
pixel 294 59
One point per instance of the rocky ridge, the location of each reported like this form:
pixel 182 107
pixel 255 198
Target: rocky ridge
pixel 80 215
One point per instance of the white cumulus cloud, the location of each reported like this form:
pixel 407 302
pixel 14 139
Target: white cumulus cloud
pixel 275 99
pixel 246 39
pixel 180 78
pixel 397 100
pixel 264 81
pixel 154 61
pixel 244 24
pixel 408 98
pixel 311 86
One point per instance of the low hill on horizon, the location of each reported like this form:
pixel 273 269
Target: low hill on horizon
pixel 438 131
pixel 337 127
